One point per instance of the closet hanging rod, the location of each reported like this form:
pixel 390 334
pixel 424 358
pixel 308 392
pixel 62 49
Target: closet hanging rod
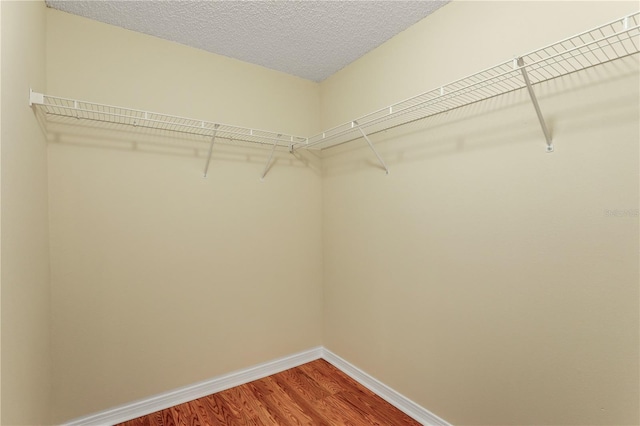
pixel 608 42
pixel 59 109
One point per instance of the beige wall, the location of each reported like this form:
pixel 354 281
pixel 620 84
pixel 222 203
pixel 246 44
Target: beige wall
pixel 482 277
pixel 161 278
pixel 26 355
pixel 0 219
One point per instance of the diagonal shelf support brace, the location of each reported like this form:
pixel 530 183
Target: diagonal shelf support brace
pixel 536 106
pixel 213 139
pixel 364 135
pixel 266 166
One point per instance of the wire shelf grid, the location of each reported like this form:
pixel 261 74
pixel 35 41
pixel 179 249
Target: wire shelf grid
pixel 614 40
pixel 603 44
pixel 62 110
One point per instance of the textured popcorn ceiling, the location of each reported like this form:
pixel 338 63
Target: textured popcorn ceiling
pixel 310 39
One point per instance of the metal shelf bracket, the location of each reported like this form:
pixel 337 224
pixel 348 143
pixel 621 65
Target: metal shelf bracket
pixel 213 139
pixel 364 135
pixel 35 98
pixel 536 106
pixel 266 166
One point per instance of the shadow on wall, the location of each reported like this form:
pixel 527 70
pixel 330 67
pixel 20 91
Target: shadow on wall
pixel 573 102
pixel 139 140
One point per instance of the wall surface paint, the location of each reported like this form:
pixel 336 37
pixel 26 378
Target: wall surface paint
pixel 0 218
pixel 26 354
pixel 489 281
pixel 160 277
pixel 484 279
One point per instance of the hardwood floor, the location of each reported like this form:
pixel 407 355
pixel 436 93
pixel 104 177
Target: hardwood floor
pixel 315 393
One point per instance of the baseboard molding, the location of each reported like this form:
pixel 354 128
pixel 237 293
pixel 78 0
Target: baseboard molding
pixel 394 398
pixel 161 401
pixel 150 405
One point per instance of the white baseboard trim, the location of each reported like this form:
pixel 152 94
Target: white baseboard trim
pixel 394 398
pixel 184 394
pixel 155 403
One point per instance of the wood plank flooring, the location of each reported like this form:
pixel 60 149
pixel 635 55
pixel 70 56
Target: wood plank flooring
pixel 316 393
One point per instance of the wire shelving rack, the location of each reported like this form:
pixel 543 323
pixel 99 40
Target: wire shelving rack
pixel 606 43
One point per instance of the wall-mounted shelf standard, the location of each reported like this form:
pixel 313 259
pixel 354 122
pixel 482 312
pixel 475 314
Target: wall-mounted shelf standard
pixel 608 42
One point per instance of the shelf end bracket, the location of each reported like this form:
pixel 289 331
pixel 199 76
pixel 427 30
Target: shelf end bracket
pixel 35 98
pixel 364 135
pixel 213 139
pixel 536 106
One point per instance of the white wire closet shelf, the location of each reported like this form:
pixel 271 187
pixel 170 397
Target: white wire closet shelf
pixel 608 42
pixel 59 109
pixel 611 41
